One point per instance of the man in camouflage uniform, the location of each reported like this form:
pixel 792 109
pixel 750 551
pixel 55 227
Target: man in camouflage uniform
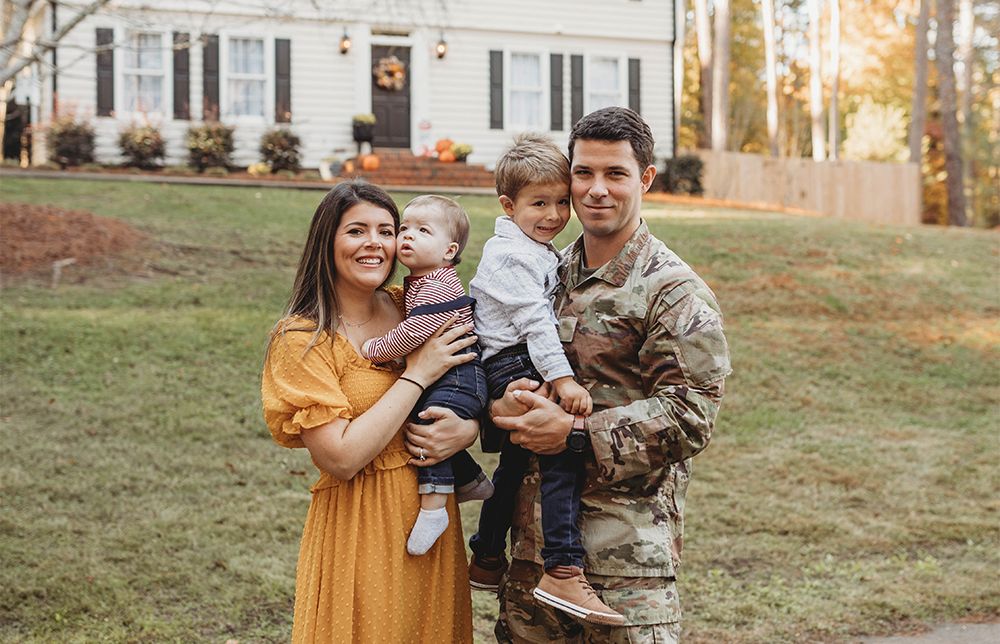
pixel 644 334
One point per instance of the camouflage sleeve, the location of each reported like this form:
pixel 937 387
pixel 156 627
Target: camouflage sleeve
pixel 684 361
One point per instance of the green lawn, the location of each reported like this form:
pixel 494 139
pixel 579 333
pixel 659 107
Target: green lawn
pixel 851 487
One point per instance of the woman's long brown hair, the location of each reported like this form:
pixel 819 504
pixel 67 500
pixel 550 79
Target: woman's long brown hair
pixel 313 296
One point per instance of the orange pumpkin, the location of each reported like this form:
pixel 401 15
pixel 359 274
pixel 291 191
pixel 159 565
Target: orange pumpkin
pixel 370 163
pixel 446 157
pixel 443 145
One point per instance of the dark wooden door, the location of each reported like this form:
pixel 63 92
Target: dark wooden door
pixel 391 107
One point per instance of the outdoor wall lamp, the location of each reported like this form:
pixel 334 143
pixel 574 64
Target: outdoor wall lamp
pixel 441 48
pixel 345 43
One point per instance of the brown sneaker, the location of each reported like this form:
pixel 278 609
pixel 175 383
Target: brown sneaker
pixel 575 596
pixel 485 573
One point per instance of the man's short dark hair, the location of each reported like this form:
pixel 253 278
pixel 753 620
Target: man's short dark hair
pixel 616 124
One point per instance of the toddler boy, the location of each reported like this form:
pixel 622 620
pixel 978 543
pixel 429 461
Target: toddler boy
pixel 513 288
pixel 432 234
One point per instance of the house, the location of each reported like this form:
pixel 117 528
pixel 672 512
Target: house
pixel 472 71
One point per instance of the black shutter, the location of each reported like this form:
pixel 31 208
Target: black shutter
pixel 576 87
pixel 282 80
pixel 633 85
pixel 105 72
pixel 182 76
pixel 556 91
pixel 210 78
pixel 496 90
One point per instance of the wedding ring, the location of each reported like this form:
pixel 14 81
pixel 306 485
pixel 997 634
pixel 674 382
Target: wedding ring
pixel 423 456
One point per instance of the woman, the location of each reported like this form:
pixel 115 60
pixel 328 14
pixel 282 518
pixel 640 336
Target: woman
pixel 355 581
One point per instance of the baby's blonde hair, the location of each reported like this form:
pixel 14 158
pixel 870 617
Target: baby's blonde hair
pixel 533 159
pixel 455 218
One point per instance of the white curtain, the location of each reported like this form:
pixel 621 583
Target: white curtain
pixel 246 77
pixel 605 83
pixel 143 74
pixel 526 90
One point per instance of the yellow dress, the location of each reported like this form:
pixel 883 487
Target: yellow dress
pixel 355 582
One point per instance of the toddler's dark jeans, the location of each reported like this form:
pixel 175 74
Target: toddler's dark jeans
pixel 562 480
pixel 463 390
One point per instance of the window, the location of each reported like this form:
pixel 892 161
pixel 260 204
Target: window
pixel 246 77
pixel 143 73
pixel 527 90
pixel 604 87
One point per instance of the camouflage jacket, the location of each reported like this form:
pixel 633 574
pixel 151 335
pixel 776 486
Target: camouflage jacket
pixel 644 335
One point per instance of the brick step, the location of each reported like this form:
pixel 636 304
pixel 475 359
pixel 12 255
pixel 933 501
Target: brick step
pixel 415 178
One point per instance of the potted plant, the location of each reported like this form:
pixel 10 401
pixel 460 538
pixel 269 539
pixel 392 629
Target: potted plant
pixel 461 151
pixel 364 127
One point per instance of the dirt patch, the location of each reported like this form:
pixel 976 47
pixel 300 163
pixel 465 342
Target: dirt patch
pixel 34 237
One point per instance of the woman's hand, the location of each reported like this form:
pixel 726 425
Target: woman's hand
pixel 438 354
pixel 442 438
pixel 510 405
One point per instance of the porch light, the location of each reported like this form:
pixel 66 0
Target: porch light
pixel 345 42
pixel 441 48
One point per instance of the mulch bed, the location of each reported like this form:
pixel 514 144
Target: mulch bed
pixel 34 237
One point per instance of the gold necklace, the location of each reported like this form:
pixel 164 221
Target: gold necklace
pixel 358 324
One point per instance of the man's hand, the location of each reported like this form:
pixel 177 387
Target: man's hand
pixel 442 438
pixel 542 428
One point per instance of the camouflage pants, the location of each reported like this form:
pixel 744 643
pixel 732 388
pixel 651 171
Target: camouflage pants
pixel 650 605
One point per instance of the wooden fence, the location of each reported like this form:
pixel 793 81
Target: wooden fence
pixel 888 193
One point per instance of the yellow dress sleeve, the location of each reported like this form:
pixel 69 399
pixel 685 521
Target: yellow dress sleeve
pixel 301 389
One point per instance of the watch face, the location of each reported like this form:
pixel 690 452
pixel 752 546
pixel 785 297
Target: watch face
pixel 576 440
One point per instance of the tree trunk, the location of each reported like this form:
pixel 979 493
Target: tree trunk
pixel 966 53
pixel 720 77
pixel 816 83
pixel 918 113
pixel 767 7
pixel 834 128
pixel 944 51
pixel 703 28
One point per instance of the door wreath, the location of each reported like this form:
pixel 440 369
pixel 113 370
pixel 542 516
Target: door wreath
pixel 390 73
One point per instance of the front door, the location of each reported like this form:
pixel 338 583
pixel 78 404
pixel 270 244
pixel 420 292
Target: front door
pixel 391 98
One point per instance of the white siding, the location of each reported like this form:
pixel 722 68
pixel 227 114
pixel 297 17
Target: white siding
pixel 452 93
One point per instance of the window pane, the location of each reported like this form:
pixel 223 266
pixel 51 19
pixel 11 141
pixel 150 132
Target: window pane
pixel 143 93
pixel 526 109
pixel 525 70
pixel 246 97
pixel 604 83
pixel 246 56
pixel 144 52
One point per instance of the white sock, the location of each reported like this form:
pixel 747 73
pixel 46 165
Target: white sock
pixel 430 525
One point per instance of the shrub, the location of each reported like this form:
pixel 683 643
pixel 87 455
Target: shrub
pixel 216 171
pixel 209 145
pixel 258 169
pixel 70 142
pixel 142 146
pixel 682 175
pixel 280 149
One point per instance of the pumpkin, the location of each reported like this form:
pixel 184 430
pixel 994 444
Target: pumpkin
pixel 370 163
pixel 348 166
pixel 447 156
pixel 443 145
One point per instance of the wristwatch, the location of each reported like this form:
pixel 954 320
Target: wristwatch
pixel 578 438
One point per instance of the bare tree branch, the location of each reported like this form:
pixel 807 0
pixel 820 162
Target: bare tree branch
pixel 15 63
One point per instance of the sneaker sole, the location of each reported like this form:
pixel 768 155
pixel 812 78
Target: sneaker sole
pixel 578 611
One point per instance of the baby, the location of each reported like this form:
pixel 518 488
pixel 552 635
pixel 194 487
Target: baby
pixel 513 288
pixel 432 234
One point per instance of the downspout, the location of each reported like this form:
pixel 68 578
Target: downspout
pixel 680 20
pixel 55 67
